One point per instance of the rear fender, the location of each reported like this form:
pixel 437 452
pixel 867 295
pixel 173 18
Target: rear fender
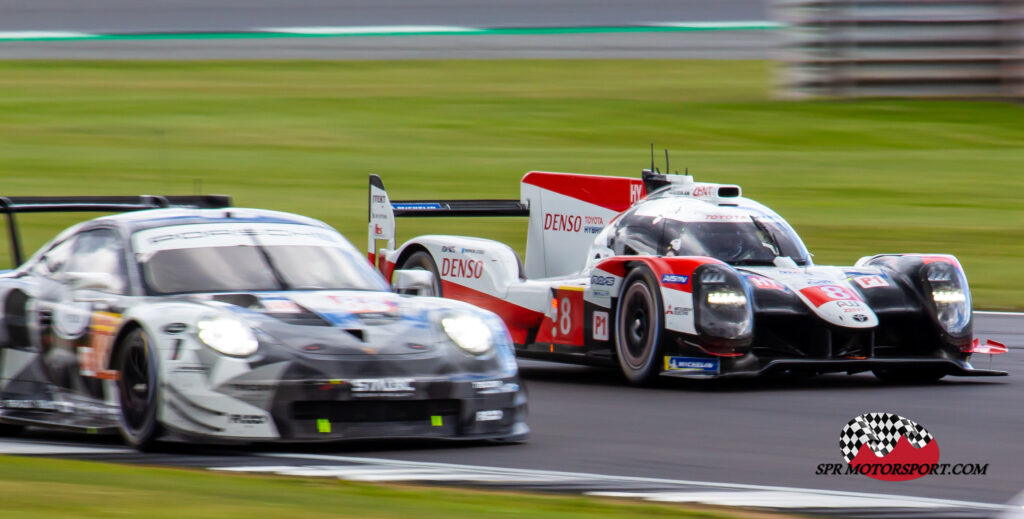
pixel 477 264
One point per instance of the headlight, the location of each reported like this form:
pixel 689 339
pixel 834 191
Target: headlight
pixel 727 297
pixel 469 333
pixel 228 336
pixel 949 296
pixel 722 306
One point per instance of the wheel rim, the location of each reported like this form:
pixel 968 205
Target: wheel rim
pixel 136 385
pixel 637 336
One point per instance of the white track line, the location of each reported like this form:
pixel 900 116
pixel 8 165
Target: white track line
pixel 1005 314
pixel 368 29
pixel 765 499
pixel 15 447
pixel 547 474
pixel 26 35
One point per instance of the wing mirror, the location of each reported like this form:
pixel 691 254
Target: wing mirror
pixel 97 281
pixel 414 282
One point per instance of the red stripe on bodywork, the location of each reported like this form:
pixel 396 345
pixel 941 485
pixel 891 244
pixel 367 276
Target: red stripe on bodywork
pixel 613 193
pixel 679 266
pixel 519 320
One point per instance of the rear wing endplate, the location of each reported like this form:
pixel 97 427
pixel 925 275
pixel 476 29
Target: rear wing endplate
pixel 383 212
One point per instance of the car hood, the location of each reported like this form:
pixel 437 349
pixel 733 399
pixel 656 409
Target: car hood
pixel 340 322
pixel 831 293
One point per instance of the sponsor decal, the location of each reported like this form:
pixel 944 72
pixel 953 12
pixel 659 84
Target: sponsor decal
pixel 378 230
pixel 280 306
pixel 602 293
pixel 726 217
pixel 382 385
pixel 871 281
pixel 363 305
pixel 675 279
pixel 600 326
pixel 378 199
pixel 602 281
pixel 820 295
pixel 379 216
pixel 487 384
pixel 860 318
pixel 462 268
pixel 448 248
pixel 677 310
pixel 889 447
pixel 765 283
pixel 247 419
pixel 472 251
pixel 93 359
pixel 490 415
pixel 636 192
pixel 693 364
pixel 417 205
pixel 703 191
pixel 562 222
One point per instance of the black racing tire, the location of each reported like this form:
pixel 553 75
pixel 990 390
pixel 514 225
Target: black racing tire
pixel 9 430
pixel 422 260
pixel 136 361
pixel 639 326
pixel 910 375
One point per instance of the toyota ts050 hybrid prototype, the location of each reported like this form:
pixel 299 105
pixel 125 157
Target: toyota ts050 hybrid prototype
pixel 201 321
pixel 663 275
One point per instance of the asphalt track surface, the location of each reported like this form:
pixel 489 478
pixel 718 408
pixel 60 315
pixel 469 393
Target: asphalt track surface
pixel 760 432
pixel 221 15
pixel 175 29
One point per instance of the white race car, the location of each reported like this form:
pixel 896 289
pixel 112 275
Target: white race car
pixel 203 321
pixel 663 275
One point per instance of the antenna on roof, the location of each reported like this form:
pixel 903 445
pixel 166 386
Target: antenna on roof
pixel 652 157
pixel 667 169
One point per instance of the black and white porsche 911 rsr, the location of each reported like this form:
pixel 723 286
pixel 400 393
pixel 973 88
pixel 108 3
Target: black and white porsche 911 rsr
pixel 228 324
pixel 662 275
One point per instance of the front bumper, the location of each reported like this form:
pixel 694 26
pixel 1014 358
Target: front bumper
pixel 750 366
pixel 337 409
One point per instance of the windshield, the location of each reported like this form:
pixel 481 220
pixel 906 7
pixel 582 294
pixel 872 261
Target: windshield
pixel 754 241
pixel 250 257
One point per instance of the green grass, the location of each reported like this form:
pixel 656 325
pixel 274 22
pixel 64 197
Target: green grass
pixel 853 177
pixel 47 488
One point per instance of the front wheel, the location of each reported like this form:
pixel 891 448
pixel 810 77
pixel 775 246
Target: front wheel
pixel 137 386
pixel 638 326
pixel 909 375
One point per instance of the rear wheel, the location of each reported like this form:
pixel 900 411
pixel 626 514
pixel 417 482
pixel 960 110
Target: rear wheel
pixel 137 363
pixel 422 260
pixel 909 375
pixel 639 324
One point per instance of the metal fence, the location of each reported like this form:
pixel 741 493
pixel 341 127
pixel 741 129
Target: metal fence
pixel 937 48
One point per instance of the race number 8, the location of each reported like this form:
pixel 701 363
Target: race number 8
pixel 564 316
pixel 836 292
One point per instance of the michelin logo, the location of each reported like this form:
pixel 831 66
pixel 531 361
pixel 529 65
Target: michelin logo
pixel 691 364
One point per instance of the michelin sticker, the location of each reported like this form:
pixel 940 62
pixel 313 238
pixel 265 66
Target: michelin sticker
pixel 692 364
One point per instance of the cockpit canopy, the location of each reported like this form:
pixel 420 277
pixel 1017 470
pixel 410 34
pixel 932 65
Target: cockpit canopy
pixel 740 236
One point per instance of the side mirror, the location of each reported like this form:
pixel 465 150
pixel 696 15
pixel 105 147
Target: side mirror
pixel 98 281
pixel 415 282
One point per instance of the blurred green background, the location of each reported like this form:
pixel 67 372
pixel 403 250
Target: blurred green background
pixel 853 177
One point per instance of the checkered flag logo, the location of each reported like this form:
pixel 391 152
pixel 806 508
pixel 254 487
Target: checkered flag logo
pixel 880 432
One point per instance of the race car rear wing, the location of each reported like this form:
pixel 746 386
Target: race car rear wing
pixel 11 205
pixel 383 211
